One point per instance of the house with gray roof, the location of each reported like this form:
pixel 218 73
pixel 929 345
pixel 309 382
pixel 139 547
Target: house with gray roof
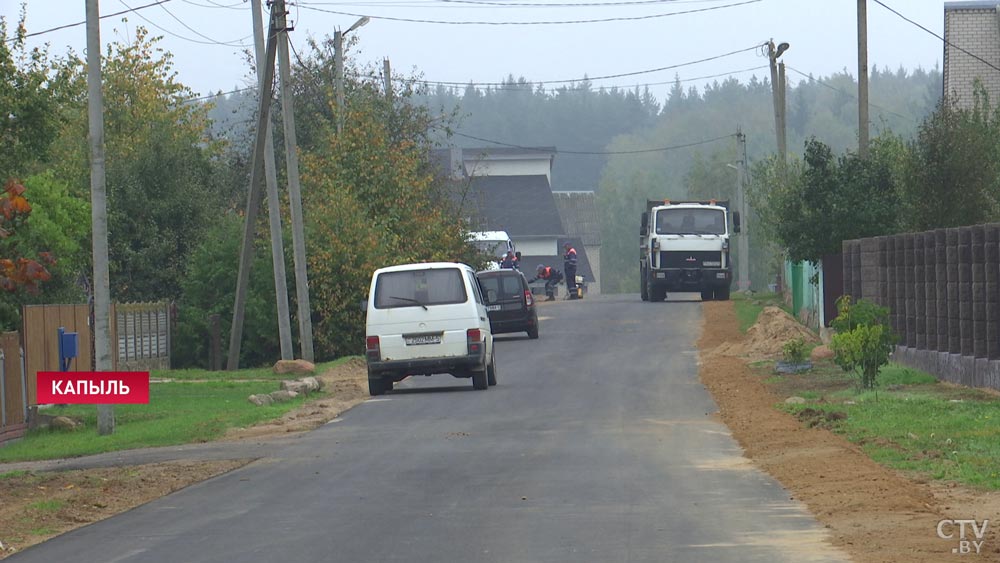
pixel 510 189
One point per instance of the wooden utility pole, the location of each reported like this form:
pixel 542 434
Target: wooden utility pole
pixel 338 77
pixel 294 189
pixel 775 96
pixel 273 204
pixel 743 276
pixel 863 78
pixel 99 211
pixel 253 200
pixel 387 78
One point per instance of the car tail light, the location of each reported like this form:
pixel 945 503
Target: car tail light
pixel 474 335
pixel 372 350
pixel 528 299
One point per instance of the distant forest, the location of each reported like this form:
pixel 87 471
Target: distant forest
pixel 628 146
pixel 585 118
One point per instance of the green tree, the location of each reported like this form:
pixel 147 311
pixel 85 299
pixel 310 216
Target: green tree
pixel 162 186
pixel 833 200
pixel 949 175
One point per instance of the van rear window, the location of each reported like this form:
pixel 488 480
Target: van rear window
pixel 415 288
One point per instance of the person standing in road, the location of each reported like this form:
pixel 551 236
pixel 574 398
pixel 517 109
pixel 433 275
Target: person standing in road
pixel 569 266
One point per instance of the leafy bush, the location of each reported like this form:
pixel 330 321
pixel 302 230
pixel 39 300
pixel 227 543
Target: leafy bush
pixel 863 340
pixel 794 351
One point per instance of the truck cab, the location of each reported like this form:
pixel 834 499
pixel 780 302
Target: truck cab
pixel 494 243
pixel 684 246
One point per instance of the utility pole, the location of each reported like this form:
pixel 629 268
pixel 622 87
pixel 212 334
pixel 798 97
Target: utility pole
pixel 253 201
pixel 778 94
pixel 273 204
pixel 743 276
pixel 338 69
pixel 338 78
pixel 863 78
pixel 99 211
pixel 387 78
pixel 294 189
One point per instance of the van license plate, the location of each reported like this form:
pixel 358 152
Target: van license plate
pixel 660 275
pixel 493 307
pixel 422 339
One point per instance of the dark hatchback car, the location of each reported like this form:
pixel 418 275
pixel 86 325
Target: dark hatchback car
pixel 509 302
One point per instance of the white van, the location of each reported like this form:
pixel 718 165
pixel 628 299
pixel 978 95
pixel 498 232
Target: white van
pixel 424 319
pixel 494 243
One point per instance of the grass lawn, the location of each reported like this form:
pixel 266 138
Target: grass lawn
pixel 193 406
pixel 911 422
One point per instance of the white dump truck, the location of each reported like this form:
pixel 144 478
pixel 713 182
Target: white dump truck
pixel 684 247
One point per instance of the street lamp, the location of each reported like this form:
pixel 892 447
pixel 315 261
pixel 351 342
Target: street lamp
pixel 778 93
pixel 338 68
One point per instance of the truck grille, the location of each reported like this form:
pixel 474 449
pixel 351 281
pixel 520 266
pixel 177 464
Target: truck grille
pixel 695 259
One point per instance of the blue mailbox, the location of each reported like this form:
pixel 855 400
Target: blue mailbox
pixel 69 348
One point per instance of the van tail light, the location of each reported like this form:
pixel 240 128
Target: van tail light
pixel 528 299
pixel 372 350
pixel 474 336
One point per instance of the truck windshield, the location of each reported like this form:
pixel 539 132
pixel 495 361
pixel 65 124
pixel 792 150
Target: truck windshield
pixel 492 247
pixel 690 221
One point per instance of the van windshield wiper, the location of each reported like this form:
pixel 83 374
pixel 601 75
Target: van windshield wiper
pixel 407 299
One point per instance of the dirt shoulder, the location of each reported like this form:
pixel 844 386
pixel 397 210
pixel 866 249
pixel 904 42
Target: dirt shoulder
pixel 874 513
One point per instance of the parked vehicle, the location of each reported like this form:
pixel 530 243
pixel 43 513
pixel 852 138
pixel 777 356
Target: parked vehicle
pixel 509 302
pixel 424 319
pixel 684 246
pixel 494 243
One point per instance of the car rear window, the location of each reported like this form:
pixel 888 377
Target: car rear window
pixel 505 286
pixel 414 288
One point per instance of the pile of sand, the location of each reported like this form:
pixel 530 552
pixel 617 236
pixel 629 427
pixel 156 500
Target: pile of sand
pixel 767 337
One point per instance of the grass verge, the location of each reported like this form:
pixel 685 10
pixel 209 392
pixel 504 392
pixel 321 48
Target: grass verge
pixel 190 406
pixel 911 422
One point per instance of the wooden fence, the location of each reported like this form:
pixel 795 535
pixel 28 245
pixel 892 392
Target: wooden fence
pixel 13 388
pixel 40 327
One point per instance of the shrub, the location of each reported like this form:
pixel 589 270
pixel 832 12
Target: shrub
pixel 863 340
pixel 794 351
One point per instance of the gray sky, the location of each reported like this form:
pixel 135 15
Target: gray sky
pixel 822 34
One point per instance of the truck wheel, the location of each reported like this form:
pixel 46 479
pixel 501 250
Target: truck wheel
pixel 706 295
pixel 491 372
pixel 643 286
pixel 722 294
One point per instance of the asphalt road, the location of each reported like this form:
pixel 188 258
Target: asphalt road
pixel 598 445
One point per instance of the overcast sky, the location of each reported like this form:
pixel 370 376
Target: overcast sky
pixel 822 35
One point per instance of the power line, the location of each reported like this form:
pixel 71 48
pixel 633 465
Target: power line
pixel 834 88
pixel 69 25
pixel 585 79
pixel 467 4
pixel 602 20
pixel 193 30
pixel 213 4
pixel 640 151
pixel 531 85
pixel 949 43
pixel 236 43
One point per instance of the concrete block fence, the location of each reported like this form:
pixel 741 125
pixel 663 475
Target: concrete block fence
pixel 942 289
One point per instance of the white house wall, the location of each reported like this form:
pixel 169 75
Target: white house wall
pixel 534 167
pixel 537 247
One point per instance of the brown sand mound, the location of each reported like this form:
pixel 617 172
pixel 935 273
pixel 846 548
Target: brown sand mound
pixel 767 337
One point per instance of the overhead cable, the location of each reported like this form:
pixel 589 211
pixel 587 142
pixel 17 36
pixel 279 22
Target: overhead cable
pixel 69 25
pixel 847 93
pixel 308 6
pixel 639 151
pixel 949 43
